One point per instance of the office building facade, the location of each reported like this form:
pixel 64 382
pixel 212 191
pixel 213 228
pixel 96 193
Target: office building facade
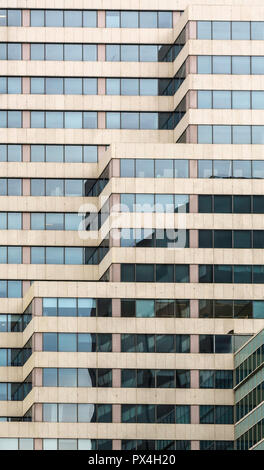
pixel 131 242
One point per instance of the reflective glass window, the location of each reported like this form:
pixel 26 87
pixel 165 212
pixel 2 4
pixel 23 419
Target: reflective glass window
pixel 148 19
pixel 90 52
pixel 129 86
pixel 129 53
pixel 240 30
pixel 221 30
pixel 73 18
pixel 241 99
pixel 54 18
pixel 241 65
pixel 222 99
pixel 129 19
pixel 54 51
pixel 112 19
pixel 222 64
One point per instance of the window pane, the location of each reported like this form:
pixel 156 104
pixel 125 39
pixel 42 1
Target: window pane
pixel 144 168
pixel 54 51
pixel 148 86
pixel 223 273
pixel 240 29
pixel 73 120
pixel 241 99
pixel 222 64
pixel 90 120
pixel 243 274
pixel 37 85
pixel 205 135
pixel 130 120
pixel 90 19
pixel 90 52
pixel 222 99
pixel 129 19
pixel 54 86
pixel 67 413
pixel 113 52
pixel 73 52
pixel 204 30
pixel 54 153
pixel 54 187
pixel 37 51
pixel 54 17
pixel 73 18
pixel 129 86
pixel 241 169
pixel 54 120
pixel 222 134
pixel 221 30
pixel 164 169
pixel 129 53
pixel 14 51
pixel 67 342
pixel 148 53
pixel 257 30
pixel 222 168
pixel 241 65
pixel 89 86
pixel 112 19
pixel 148 19
pixel 204 99
pixel 14 85
pixel 37 119
pixel 37 17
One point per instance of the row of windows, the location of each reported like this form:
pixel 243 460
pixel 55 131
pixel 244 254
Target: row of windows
pixel 14 356
pixel 102 413
pixel 77 342
pixel 174 445
pixel 14 323
pixel 160 308
pixel 43 221
pixel 146 238
pixel 231 308
pixel 227 273
pixel 224 99
pixel 13 443
pixel 226 204
pixel 154 202
pixel 51 153
pixel 71 307
pixel 250 364
pixel 216 414
pixel 89 120
pixel 71 377
pixel 14 391
pixel 235 65
pixel 89 52
pixel 231 239
pixel 216 379
pixel 235 30
pixel 142 378
pixel 211 344
pixel 251 437
pixel 230 134
pixel 88 18
pixel 77 413
pixel 89 86
pixel 53 187
pixel 54 255
pixel 47 221
pixel 155 273
pixel 10 289
pixel 149 168
pixel 250 401
pixel 230 169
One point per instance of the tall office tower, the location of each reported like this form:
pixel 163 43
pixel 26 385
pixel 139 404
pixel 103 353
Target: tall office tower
pixel 132 229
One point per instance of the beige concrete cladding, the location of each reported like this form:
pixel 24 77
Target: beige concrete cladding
pixel 135 5
pixel 118 430
pixel 91 103
pixel 87 69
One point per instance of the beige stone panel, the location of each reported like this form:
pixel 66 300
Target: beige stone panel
pixel 8 408
pixel 44 204
pixel 29 169
pixel 133 395
pixel 52 272
pixel 117 325
pixel 226 117
pixel 191 256
pixel 185 186
pixel 220 82
pixel 11 340
pixel 128 360
pixel 11 374
pixel 225 47
pixel 118 430
pixel 26 85
pixel 9 305
pixel 48 237
pixel 91 35
pixel 83 136
pixel 89 69
pixel 91 102
pixel 238 12
pixel 138 290
pixel 189 151
pixel 136 5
